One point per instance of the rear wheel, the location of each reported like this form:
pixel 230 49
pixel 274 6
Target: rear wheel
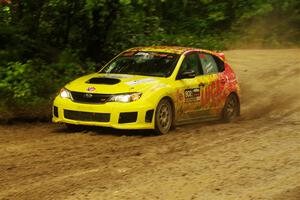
pixel 231 108
pixel 163 117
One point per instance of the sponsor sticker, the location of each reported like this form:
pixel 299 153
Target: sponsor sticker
pixel 128 53
pixel 146 80
pixel 191 95
pixel 202 55
pixel 116 76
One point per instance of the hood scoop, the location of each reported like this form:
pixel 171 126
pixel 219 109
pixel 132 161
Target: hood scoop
pixel 104 80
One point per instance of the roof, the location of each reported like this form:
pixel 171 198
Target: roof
pixel 166 49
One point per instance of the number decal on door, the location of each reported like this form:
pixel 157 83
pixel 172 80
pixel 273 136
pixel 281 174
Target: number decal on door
pixel 192 94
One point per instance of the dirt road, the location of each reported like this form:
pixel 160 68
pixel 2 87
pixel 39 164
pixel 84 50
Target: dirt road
pixel 257 157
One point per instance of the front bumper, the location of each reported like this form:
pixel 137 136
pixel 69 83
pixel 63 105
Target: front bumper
pixel 140 114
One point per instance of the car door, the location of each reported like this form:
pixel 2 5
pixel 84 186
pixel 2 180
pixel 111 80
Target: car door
pixel 212 83
pixel 187 89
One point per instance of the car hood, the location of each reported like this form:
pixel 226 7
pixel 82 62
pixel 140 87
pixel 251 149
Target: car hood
pixel 114 83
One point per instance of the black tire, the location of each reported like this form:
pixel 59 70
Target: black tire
pixel 231 108
pixel 163 117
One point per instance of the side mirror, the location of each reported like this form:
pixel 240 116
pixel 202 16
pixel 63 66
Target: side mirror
pixel 187 74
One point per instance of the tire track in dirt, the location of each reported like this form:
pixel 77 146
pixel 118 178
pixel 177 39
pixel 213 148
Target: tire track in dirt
pixel 254 158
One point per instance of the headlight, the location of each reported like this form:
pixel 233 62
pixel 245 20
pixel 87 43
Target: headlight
pixel 125 98
pixel 65 94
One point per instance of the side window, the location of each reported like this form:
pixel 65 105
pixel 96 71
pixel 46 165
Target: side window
pixel 191 62
pixel 220 63
pixel 208 63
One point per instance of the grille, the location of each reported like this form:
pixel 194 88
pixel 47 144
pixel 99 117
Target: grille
pixel 149 116
pixel 86 116
pixel 127 117
pixel 55 111
pixel 89 97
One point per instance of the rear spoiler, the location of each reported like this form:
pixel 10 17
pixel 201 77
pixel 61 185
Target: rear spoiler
pixel 222 55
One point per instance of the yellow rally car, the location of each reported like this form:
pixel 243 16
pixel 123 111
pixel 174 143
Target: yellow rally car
pixel 152 88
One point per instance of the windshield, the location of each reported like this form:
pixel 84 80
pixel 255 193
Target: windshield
pixel 143 63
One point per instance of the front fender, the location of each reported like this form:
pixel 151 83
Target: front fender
pixel 158 92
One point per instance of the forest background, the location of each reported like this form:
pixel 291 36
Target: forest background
pixel 46 43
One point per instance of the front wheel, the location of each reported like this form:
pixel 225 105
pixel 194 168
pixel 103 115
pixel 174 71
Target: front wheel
pixel 163 117
pixel 231 108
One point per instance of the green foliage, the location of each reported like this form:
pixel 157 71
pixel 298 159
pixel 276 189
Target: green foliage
pixel 45 44
pixel 32 85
